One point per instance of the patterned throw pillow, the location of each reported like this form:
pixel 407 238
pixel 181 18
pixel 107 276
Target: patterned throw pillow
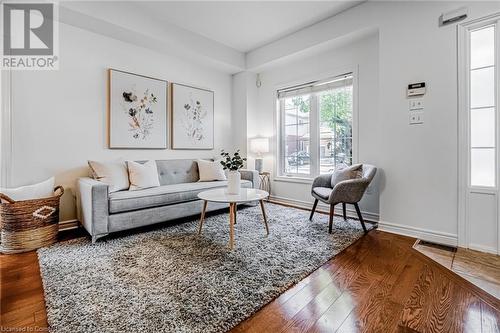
pixel 351 172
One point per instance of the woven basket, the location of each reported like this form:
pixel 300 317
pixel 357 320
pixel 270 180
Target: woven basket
pixel 29 224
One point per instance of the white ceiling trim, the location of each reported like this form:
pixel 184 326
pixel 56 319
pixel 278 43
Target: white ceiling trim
pixel 125 23
pixel 243 25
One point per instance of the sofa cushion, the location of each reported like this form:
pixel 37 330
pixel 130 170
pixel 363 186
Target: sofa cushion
pixel 125 201
pixel 177 171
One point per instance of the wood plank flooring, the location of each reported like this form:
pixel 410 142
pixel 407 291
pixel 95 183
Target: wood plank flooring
pixel 378 284
pixel 481 269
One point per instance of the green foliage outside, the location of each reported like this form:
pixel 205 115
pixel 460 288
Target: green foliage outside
pixel 335 113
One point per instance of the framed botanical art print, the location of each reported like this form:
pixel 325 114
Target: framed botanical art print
pixel 192 117
pixel 137 111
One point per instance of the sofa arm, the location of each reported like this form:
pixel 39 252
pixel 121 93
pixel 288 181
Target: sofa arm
pixel 92 201
pixel 251 175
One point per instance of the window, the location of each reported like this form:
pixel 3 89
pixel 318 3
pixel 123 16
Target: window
pixel 482 106
pixel 316 126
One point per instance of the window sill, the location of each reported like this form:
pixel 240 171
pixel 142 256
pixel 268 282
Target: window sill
pixel 300 180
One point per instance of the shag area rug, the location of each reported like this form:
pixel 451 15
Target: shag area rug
pixel 172 280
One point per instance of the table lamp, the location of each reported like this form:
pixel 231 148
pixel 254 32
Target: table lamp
pixel 259 146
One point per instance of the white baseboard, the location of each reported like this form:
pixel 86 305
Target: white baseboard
pixel 68 224
pixel 482 248
pixel 368 216
pixel 424 234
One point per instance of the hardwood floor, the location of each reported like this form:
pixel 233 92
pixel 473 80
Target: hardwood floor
pixel 378 284
pixel 481 269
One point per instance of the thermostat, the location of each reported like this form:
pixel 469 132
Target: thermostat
pixel 416 89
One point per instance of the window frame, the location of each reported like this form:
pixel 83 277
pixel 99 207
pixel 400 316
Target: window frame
pixel 465 100
pixel 465 188
pixel 314 127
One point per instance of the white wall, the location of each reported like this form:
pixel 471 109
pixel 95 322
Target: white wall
pixel 361 56
pixel 418 190
pixel 59 117
pixel 239 107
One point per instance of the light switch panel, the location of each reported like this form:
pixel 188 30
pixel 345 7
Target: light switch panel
pixel 416 118
pixel 416 104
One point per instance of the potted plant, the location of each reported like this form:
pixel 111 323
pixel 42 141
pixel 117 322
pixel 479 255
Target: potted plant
pixel 232 164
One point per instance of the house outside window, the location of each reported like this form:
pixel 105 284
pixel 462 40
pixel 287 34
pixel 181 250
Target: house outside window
pixel 316 127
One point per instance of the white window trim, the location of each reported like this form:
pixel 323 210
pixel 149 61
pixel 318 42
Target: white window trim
pixel 464 168
pixel 354 69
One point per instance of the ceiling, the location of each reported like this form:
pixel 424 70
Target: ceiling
pixel 243 25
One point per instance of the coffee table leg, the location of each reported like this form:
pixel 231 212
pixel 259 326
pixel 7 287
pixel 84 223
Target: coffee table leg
pixel 202 218
pixel 231 224
pixel 264 215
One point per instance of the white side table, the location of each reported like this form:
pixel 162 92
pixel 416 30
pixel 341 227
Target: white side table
pixel 221 195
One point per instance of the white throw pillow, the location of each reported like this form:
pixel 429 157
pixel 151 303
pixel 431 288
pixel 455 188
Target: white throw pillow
pixel 210 171
pixel 40 190
pixel 142 175
pixel 113 173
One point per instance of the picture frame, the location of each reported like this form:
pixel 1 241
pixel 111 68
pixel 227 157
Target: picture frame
pixel 192 117
pixel 137 111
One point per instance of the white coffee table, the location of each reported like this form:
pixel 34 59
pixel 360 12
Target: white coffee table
pixel 221 195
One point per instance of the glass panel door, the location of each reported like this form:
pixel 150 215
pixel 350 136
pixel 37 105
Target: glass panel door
pixel 482 107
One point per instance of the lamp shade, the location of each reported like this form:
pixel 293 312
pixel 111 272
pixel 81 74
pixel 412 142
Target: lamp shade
pixel 259 145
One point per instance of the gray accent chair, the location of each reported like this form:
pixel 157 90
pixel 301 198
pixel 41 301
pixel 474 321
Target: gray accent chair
pixel 348 191
pixel 102 213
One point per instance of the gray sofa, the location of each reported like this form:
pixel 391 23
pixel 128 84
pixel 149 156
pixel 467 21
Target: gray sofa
pixel 101 213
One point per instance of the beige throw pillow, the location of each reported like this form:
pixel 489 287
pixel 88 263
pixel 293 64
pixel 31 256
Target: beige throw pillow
pixel 210 171
pixel 143 175
pixel 113 173
pixel 40 190
pixel 351 172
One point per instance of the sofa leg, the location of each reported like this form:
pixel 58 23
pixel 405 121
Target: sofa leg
pixel 96 237
pixel 344 211
pixel 313 210
pixel 330 222
pixel 360 217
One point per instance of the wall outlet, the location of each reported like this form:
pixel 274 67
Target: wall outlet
pixel 416 118
pixel 416 104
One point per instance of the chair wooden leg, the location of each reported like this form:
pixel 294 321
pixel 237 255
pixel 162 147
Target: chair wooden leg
pixel 330 222
pixel 360 217
pixel 344 211
pixel 313 210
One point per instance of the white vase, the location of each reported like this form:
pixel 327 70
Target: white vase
pixel 233 182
